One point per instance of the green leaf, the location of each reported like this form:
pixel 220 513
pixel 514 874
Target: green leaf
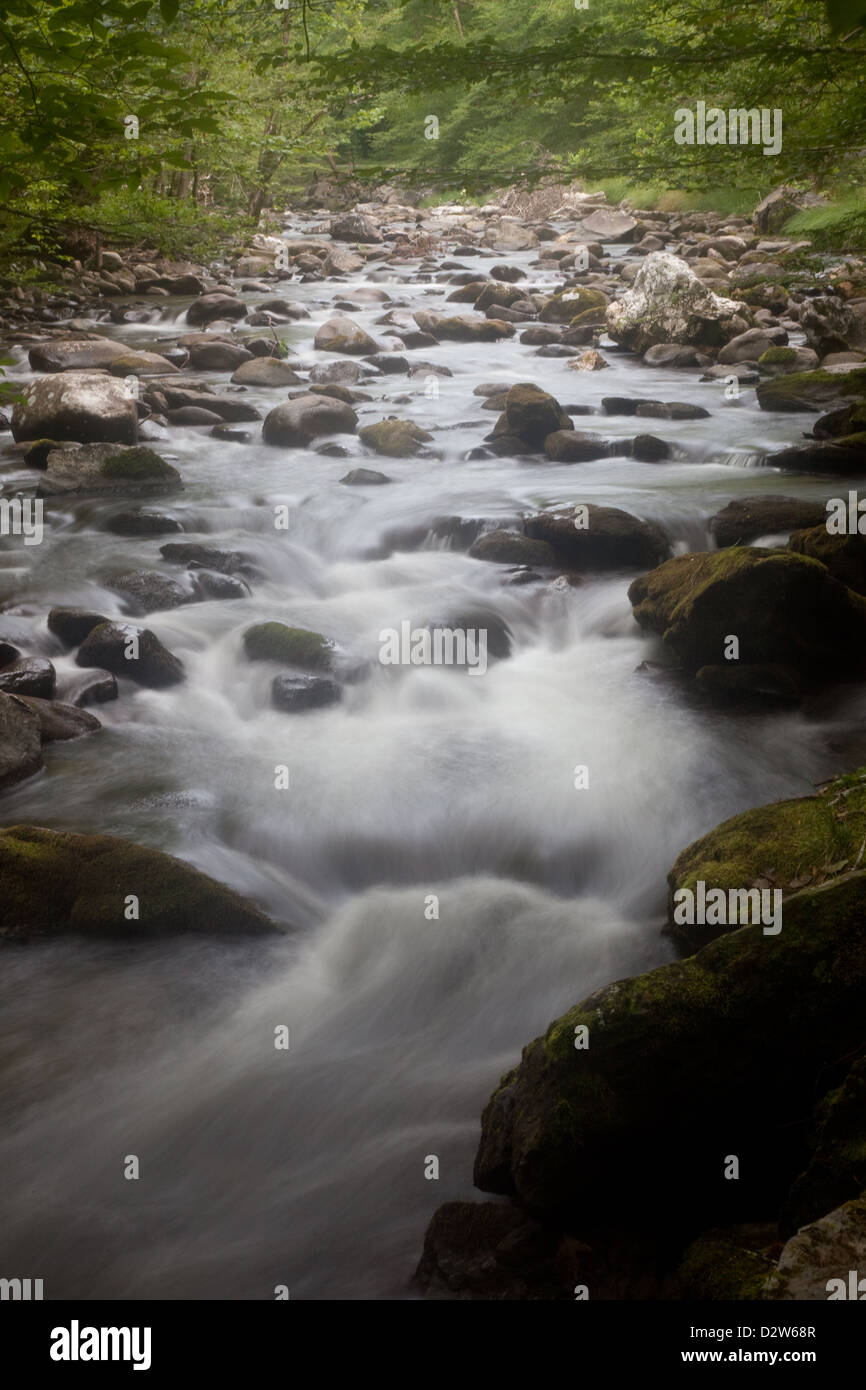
pixel 168 9
pixel 845 14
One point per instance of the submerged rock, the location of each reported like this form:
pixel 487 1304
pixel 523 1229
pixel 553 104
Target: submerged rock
pixel 295 694
pixel 57 883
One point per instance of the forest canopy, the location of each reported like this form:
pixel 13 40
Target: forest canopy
pixel 127 113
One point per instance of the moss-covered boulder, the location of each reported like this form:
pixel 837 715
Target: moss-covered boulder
pixel 512 548
pixel 729 1265
pixel 395 439
pixel 781 361
pixel 108 469
pixel 633 1101
pixel 344 335
pixel 531 415
pixel 20 741
pixel 293 646
pixel 807 391
pixel 844 556
pixel 836 1172
pixel 56 883
pixel 587 304
pixel 786 845
pixel 588 537
pixel 784 609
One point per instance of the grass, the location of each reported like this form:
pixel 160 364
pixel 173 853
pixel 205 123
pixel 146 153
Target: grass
pixel 840 226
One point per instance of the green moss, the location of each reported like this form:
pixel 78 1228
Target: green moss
pixel 809 840
pixel 294 646
pixel 777 356
pixel 136 464
pixel 55 882
pixel 36 454
pixel 728 1265
pixel 805 390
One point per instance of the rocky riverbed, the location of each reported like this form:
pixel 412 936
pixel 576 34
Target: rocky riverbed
pixel 607 440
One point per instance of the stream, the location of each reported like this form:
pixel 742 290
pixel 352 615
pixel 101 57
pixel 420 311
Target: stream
pixel 306 1167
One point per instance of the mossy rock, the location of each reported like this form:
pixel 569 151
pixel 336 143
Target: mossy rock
pixel 56 883
pixel 785 610
pixel 566 307
pixel 844 556
pixel 588 318
pixel 836 1172
pixel 396 439
pixel 685 1064
pixel 777 357
pixel 788 845
pixel 807 391
pixel 137 464
pixel 729 1265
pixel 36 454
pixel 293 646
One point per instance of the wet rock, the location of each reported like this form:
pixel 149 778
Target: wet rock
pixel 595 538
pixel 608 224
pixel 781 361
pixel 747 517
pixel 844 556
pixel 218 357
pixel 364 477
pixel 392 364
pixel 72 405
pixel 93 687
pixel 818 1262
pixel 295 694
pixel 669 304
pixel 509 237
pixel 73 354
pixel 103 469
pixel 344 335
pixel 831 325
pixel 28 675
pixel 193 415
pixel 210 584
pixel 230 434
pixel 72 625
pixel 588 362
pixel 674 355
pixel 147 591
pixel 570 1132
pixel 336 373
pixel 297 422
pixel 141 364
pixel 648 448
pixel 208 557
pixel 805 391
pixel 574 304
pixel 755 686
pixel 785 609
pixel 397 439
pixel 355 226
pixel 751 345
pixel 462 330
pixel 836 1172
pixel 20 746
pixel 340 262
pixel 575 446
pixel 512 548
pixel 531 415
pixel 214 306
pixel 843 457
pixel 57 883
pixel 60 722
pixel 490 1251
pixel 293 646
pixel 134 652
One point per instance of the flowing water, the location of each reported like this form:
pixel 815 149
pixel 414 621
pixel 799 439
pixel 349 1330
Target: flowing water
pixel 306 1167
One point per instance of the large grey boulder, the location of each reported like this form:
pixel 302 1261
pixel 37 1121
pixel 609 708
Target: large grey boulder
pixel 63 355
pixel 297 422
pixel 83 406
pixel 106 470
pixel 669 304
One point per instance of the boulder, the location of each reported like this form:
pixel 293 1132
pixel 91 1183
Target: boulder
pixel 836 1171
pixel 398 439
pixel 266 371
pixel 214 306
pixel 669 304
pixel 597 538
pixel 512 548
pixel 531 414
pixel 712 1052
pixel 782 361
pixel 609 224
pixel 344 335
pixel 844 556
pixel 575 446
pixel 339 262
pixel 293 646
pixel 811 391
pixel 59 722
pixel 575 303
pixel 134 652
pixel 75 354
pixel 844 457
pixel 746 518
pixel 218 357
pixel 20 745
pixel 83 406
pixel 307 417
pixel 785 609
pixel 509 237
pixel 355 226
pixel 141 522
pixel 57 883
pixel 831 325
pixel 819 1261
pixel 462 330
pixel 147 591
pixel 106 469
pixel 72 625
pixel 296 694
pixel 28 675
pixel 773 212
pixel 751 345
pixel 364 477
